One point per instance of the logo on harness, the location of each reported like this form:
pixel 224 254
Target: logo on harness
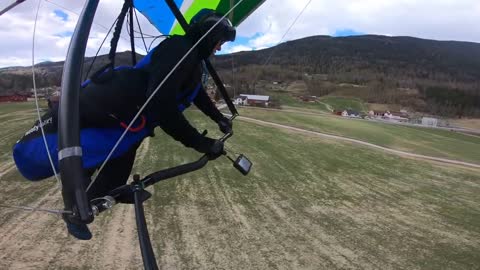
pixel 38 126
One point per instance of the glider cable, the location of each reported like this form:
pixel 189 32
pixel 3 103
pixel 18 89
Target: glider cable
pixel 40 123
pixel 94 178
pixel 284 35
pixel 97 24
pixel 140 29
pixel 98 51
pixel 213 73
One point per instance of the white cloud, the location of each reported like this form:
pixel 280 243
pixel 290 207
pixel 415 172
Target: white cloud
pixel 433 19
pixel 239 48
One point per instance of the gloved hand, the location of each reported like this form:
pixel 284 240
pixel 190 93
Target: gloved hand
pixel 213 148
pixel 225 125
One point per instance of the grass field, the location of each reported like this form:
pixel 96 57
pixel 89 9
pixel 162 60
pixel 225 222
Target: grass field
pixel 432 142
pixel 324 104
pixel 343 103
pixel 308 203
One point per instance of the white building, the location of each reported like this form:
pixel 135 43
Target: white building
pixel 252 100
pixel 429 121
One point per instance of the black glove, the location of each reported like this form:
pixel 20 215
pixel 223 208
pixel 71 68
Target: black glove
pixel 225 125
pixel 213 148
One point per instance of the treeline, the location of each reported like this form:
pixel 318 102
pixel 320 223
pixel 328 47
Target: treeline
pixel 441 96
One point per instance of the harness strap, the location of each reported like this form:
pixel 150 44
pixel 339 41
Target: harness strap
pixel 135 129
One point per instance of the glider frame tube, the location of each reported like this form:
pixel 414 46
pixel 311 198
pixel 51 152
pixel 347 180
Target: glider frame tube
pixel 136 188
pixel 148 256
pixel 71 169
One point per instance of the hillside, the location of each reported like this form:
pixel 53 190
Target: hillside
pixel 440 77
pixel 19 79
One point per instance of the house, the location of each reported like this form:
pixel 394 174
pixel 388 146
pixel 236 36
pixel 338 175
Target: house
pixel 240 100
pixel 395 116
pixel 387 115
pixel 350 113
pixel 256 100
pixel 308 98
pixel 337 112
pixel 373 113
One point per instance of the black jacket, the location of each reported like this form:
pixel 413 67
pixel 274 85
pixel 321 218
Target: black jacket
pixel 163 108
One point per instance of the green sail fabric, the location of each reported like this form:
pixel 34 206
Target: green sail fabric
pixel 160 15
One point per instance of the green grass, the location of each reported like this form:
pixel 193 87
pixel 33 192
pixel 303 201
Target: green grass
pixel 432 142
pixel 16 119
pixel 308 203
pixel 323 105
pixel 286 100
pixel 343 103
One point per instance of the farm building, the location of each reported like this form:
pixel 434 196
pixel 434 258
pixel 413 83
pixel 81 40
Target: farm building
pixel 376 113
pixel 338 112
pixel 13 98
pixel 252 100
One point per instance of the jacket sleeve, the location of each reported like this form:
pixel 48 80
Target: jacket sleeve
pixel 205 104
pixel 162 110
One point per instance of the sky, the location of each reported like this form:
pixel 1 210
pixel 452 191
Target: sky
pixel 268 26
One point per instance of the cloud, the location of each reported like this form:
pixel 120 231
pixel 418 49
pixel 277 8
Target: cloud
pixel 240 48
pixel 431 19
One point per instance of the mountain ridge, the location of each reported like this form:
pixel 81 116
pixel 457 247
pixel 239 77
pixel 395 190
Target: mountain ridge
pixel 444 73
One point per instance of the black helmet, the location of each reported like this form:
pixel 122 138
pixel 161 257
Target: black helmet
pixel 202 22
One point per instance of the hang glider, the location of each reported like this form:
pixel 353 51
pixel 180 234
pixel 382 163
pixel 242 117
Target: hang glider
pixel 14 4
pixel 159 14
pixel 169 17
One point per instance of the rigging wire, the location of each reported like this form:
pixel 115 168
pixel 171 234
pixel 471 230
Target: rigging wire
pixel 40 123
pixel 97 24
pixel 98 51
pixel 143 36
pixel 283 36
pixel 140 28
pixel 157 37
pixel 94 178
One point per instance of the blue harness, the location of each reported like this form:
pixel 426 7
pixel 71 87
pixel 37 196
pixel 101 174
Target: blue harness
pixel 32 159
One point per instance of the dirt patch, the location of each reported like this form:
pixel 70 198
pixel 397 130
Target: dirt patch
pixel 297 87
pixel 472 123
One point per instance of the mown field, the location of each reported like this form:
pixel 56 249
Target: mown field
pixel 425 141
pixel 309 203
pixel 323 105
